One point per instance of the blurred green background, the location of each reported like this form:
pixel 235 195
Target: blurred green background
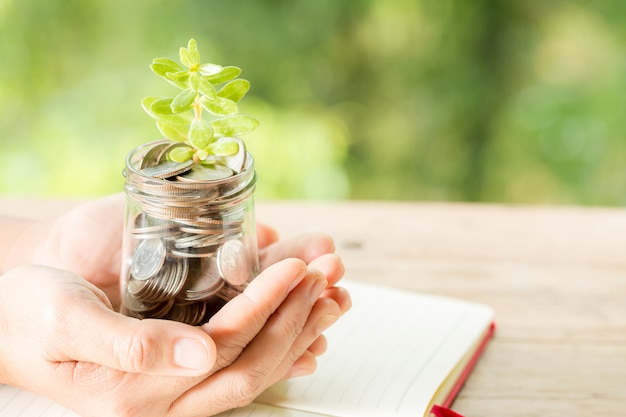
pixel 446 100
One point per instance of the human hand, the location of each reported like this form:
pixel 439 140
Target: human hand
pixel 87 241
pixel 60 336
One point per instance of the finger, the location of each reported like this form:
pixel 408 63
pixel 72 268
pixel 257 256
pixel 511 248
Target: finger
pixel 96 334
pixel 325 312
pixel 306 247
pixel 266 235
pixel 341 297
pixel 239 321
pixel 304 365
pixel 253 371
pixel 319 346
pixel 330 265
pixel 289 325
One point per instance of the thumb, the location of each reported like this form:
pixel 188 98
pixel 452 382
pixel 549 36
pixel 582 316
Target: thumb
pixel 157 347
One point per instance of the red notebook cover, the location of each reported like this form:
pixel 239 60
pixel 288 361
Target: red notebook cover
pixel 443 410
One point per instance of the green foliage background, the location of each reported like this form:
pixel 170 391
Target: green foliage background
pixel 448 100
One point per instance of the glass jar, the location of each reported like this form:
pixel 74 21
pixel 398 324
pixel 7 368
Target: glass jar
pixel 189 240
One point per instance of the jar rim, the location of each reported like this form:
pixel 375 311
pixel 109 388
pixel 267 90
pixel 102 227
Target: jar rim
pixel 131 166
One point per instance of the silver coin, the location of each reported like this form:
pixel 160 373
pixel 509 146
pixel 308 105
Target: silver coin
pixel 164 156
pixel 237 162
pixel 187 253
pixel 136 305
pixel 151 158
pixel 233 262
pixel 204 280
pixel 157 231
pixel 161 310
pixel 198 241
pixel 201 173
pixel 230 188
pixel 148 259
pixel 192 314
pixel 167 169
pixel 169 283
pixel 182 274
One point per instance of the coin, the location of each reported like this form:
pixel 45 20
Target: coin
pixel 148 258
pixel 134 304
pixel 157 231
pixel 205 173
pixel 192 314
pixel 164 156
pixel 204 280
pixel 237 162
pixel 153 155
pixel 233 262
pixel 167 169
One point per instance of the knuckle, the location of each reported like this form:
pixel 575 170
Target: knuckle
pixel 246 387
pixel 229 350
pixel 292 324
pixel 134 352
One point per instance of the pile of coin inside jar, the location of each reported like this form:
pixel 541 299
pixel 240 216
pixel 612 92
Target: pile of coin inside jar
pixel 190 242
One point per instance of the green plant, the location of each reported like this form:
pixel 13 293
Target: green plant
pixel 202 116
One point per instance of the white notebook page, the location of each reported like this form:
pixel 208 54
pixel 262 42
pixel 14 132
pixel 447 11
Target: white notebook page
pixel 387 356
pixel 15 402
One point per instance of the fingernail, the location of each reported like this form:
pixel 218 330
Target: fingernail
pixel 318 288
pixel 191 354
pixel 298 279
pixel 325 322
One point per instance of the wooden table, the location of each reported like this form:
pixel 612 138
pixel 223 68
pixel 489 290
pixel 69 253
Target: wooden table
pixel 556 277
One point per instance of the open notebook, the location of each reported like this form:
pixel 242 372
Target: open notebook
pixel 395 353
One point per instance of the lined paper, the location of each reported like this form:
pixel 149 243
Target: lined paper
pixel 15 402
pixel 260 410
pixel 387 356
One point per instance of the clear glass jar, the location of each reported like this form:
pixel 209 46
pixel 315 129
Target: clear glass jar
pixel 189 244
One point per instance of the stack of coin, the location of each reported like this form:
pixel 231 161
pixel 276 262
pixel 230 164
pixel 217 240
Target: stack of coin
pixel 190 234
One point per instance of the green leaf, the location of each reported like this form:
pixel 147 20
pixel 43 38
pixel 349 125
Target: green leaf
pixel 235 90
pixel 224 147
pixel 200 133
pixel 161 66
pixel 173 129
pixel 146 104
pixel 210 69
pixel 202 154
pixel 194 80
pixel 206 88
pixel 227 74
pixel 190 57
pixel 192 46
pixel 219 106
pixel 180 77
pixel 181 154
pixel 183 100
pixel 162 106
pixel 185 57
pixel 234 125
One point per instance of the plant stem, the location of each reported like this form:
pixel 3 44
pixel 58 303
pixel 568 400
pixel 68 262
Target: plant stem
pixel 197 109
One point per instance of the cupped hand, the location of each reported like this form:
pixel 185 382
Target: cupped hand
pixel 87 241
pixel 61 336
